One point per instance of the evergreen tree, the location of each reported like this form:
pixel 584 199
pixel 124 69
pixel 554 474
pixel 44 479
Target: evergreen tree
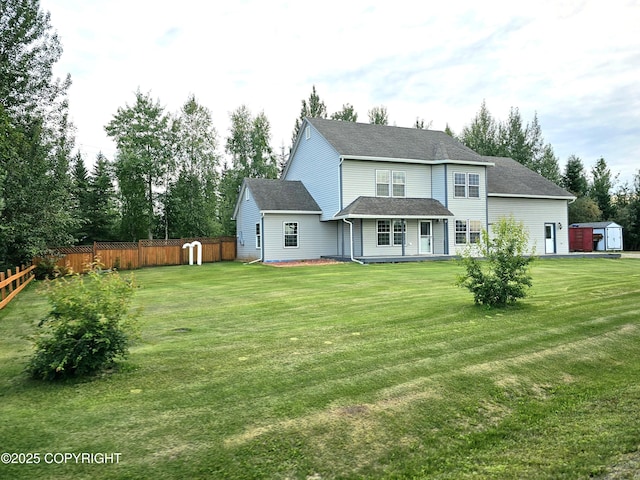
pixel 103 213
pixel 313 108
pixel 81 196
pixel 481 135
pixel 574 178
pixel 379 115
pixel 600 190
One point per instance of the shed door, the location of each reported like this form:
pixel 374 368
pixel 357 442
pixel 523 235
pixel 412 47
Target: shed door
pixel 549 238
pixel 614 238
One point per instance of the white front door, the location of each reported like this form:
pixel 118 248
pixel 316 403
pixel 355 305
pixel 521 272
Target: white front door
pixel 425 240
pixel 549 238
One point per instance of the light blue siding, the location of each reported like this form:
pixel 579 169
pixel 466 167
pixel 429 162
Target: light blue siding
pixel 438 183
pixel 248 216
pixel 315 238
pixel 468 209
pixel 317 165
pixel 359 179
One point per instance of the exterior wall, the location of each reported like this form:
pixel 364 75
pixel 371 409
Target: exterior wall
pixel 438 184
pixel 359 179
pixel 367 244
pixel 534 213
pixel 469 209
pixel 248 216
pixel 317 165
pixel 315 238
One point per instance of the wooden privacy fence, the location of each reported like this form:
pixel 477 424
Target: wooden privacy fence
pixel 11 284
pixel 145 253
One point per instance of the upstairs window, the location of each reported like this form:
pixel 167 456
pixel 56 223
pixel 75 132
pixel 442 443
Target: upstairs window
pixel 390 183
pixel 399 182
pixel 382 183
pixel 466 185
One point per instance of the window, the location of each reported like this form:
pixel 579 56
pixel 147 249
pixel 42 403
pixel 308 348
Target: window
pixel 382 183
pixel 291 234
pixel 460 185
pixel 474 185
pixel 258 236
pixel 475 227
pixel 466 185
pixel 307 133
pixel 399 182
pixel 468 231
pixel 247 195
pixel 384 233
pixel 397 232
pixel 390 183
pixel 461 232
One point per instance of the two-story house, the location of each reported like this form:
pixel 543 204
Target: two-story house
pixel 363 191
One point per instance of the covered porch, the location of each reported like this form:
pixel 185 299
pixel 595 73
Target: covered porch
pixel 387 228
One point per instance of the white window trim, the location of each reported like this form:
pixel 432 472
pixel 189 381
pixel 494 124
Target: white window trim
pixel 467 184
pixel 468 231
pixel 284 235
pixel 390 184
pixel 390 233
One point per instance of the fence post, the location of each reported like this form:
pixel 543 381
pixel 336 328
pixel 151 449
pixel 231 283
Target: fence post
pixel 2 294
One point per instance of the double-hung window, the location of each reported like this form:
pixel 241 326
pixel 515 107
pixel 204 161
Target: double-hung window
pixel 291 234
pixel 468 231
pixel 385 239
pixel 391 183
pixel 466 185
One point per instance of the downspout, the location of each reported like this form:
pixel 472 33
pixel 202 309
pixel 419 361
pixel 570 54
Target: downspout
pixel 351 241
pixel 261 242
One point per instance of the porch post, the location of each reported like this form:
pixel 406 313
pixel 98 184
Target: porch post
pixel 446 236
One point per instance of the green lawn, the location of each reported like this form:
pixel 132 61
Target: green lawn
pixel 344 371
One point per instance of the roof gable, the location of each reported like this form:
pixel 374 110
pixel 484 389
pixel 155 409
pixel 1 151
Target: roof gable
pixel 510 178
pixel 352 139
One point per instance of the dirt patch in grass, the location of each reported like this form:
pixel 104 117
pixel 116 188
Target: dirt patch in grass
pixel 303 263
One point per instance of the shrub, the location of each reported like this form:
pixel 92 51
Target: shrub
pixel 88 327
pixel 503 275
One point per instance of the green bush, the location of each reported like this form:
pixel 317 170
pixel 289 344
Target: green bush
pixel 88 327
pixel 502 276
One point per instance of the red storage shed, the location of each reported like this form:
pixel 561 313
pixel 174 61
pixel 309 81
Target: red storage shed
pixel 581 239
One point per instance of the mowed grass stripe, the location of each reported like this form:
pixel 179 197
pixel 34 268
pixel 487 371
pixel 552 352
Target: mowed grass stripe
pixel 344 371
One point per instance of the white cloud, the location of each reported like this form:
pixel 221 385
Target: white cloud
pixel 575 63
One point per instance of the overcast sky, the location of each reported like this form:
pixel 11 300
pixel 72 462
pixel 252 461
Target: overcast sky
pixel 575 63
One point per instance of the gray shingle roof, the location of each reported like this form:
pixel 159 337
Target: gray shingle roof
pixel 284 195
pixel 366 140
pixel 509 177
pixel 595 224
pixel 394 207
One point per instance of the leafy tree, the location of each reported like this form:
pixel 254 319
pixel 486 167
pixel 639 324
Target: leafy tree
pixel 631 230
pixel 248 144
pixel 347 114
pixel 481 135
pixel 504 275
pixel 103 213
pixel 601 187
pixel 144 140
pixel 574 178
pixel 379 115
pixel 421 125
pixel 584 210
pixel 192 197
pixel 36 138
pixel 88 327
pixel 313 108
